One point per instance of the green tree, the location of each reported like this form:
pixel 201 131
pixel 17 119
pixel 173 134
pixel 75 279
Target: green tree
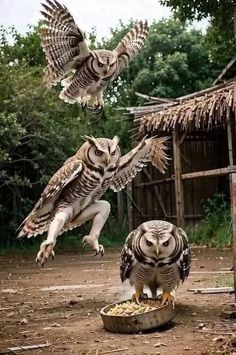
pixel 38 132
pixel 175 61
pixel 222 30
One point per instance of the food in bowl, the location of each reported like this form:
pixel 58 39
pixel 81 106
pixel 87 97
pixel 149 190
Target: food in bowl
pixel 130 308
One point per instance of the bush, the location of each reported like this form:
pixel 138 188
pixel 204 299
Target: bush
pixel 216 227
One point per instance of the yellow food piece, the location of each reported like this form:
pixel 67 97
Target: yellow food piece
pixel 130 309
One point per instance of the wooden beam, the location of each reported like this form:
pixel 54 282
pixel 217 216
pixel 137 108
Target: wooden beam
pixel 179 195
pixel 207 173
pixel 187 216
pixel 233 209
pixel 232 179
pixel 197 174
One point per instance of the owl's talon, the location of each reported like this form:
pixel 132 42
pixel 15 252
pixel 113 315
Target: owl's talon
pixel 97 248
pixel 100 251
pixel 167 298
pixel 95 109
pixel 46 250
pixel 137 297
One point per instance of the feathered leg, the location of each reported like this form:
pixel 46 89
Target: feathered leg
pixel 138 295
pixel 99 105
pixel 99 212
pixel 46 248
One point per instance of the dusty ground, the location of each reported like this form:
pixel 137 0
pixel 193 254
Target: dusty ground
pixel 33 312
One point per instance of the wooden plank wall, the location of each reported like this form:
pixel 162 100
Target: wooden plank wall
pixel 199 151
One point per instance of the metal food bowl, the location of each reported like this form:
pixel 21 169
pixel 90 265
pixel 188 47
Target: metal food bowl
pixel 139 322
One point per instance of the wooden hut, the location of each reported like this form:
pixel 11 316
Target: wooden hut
pixel 202 145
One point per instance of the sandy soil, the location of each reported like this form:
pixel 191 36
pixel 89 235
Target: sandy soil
pixel 35 306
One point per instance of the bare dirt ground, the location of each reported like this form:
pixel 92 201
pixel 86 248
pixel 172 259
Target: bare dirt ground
pixel 33 311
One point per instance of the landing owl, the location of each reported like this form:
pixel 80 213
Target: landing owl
pixel 92 70
pixel 157 255
pixel 73 194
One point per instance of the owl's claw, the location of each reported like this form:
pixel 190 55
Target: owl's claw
pixel 97 248
pixel 95 109
pixel 167 298
pixel 46 250
pixel 84 103
pixel 137 297
pixel 100 251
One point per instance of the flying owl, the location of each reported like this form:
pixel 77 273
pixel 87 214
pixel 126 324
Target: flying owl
pixel 157 255
pixel 91 70
pixel 73 194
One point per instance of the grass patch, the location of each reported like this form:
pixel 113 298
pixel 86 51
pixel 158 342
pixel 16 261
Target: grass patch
pixel 215 229
pixel 113 235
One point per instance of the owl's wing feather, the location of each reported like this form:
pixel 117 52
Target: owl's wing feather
pixel 130 45
pixel 148 150
pixel 127 258
pixel 62 41
pixel 38 219
pixel 184 261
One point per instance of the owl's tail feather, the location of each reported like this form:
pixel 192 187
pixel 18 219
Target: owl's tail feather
pixel 35 225
pixel 37 222
pixel 70 92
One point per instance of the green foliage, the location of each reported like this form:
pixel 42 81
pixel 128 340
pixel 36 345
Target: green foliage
pixel 216 227
pixel 38 131
pixel 174 62
pixel 220 34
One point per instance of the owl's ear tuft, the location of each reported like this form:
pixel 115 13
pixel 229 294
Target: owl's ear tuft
pixel 116 140
pixel 90 139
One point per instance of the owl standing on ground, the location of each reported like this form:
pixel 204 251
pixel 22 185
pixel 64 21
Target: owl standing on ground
pixel 157 255
pixel 92 70
pixel 72 195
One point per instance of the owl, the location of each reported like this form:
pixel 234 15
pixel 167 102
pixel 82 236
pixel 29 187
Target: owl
pixel 91 70
pixel 157 255
pixel 73 194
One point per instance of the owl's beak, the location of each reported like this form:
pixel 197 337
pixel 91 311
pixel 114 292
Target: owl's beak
pixel 107 160
pixel 157 251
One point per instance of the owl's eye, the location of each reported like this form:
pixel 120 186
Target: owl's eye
pixel 113 153
pixel 100 64
pixel 112 64
pixel 166 243
pixel 149 244
pixel 98 152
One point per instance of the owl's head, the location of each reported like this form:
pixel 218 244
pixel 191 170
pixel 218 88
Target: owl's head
pixel 102 152
pixel 104 62
pixel 153 246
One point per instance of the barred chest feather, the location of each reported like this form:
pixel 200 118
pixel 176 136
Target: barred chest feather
pixel 89 187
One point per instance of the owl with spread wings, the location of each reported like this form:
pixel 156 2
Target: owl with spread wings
pixel 72 196
pixel 89 71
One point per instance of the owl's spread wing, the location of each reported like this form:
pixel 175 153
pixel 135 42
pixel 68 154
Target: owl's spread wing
pixel 127 259
pixel 130 45
pixel 62 41
pixel 148 150
pixel 37 221
pixel 184 261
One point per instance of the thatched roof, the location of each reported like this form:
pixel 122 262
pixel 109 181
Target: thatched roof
pixel 202 110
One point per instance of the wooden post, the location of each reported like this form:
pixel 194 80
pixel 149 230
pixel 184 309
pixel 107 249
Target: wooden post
pixel 232 179
pixel 130 206
pixel 120 206
pixel 179 194
pixel 233 204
